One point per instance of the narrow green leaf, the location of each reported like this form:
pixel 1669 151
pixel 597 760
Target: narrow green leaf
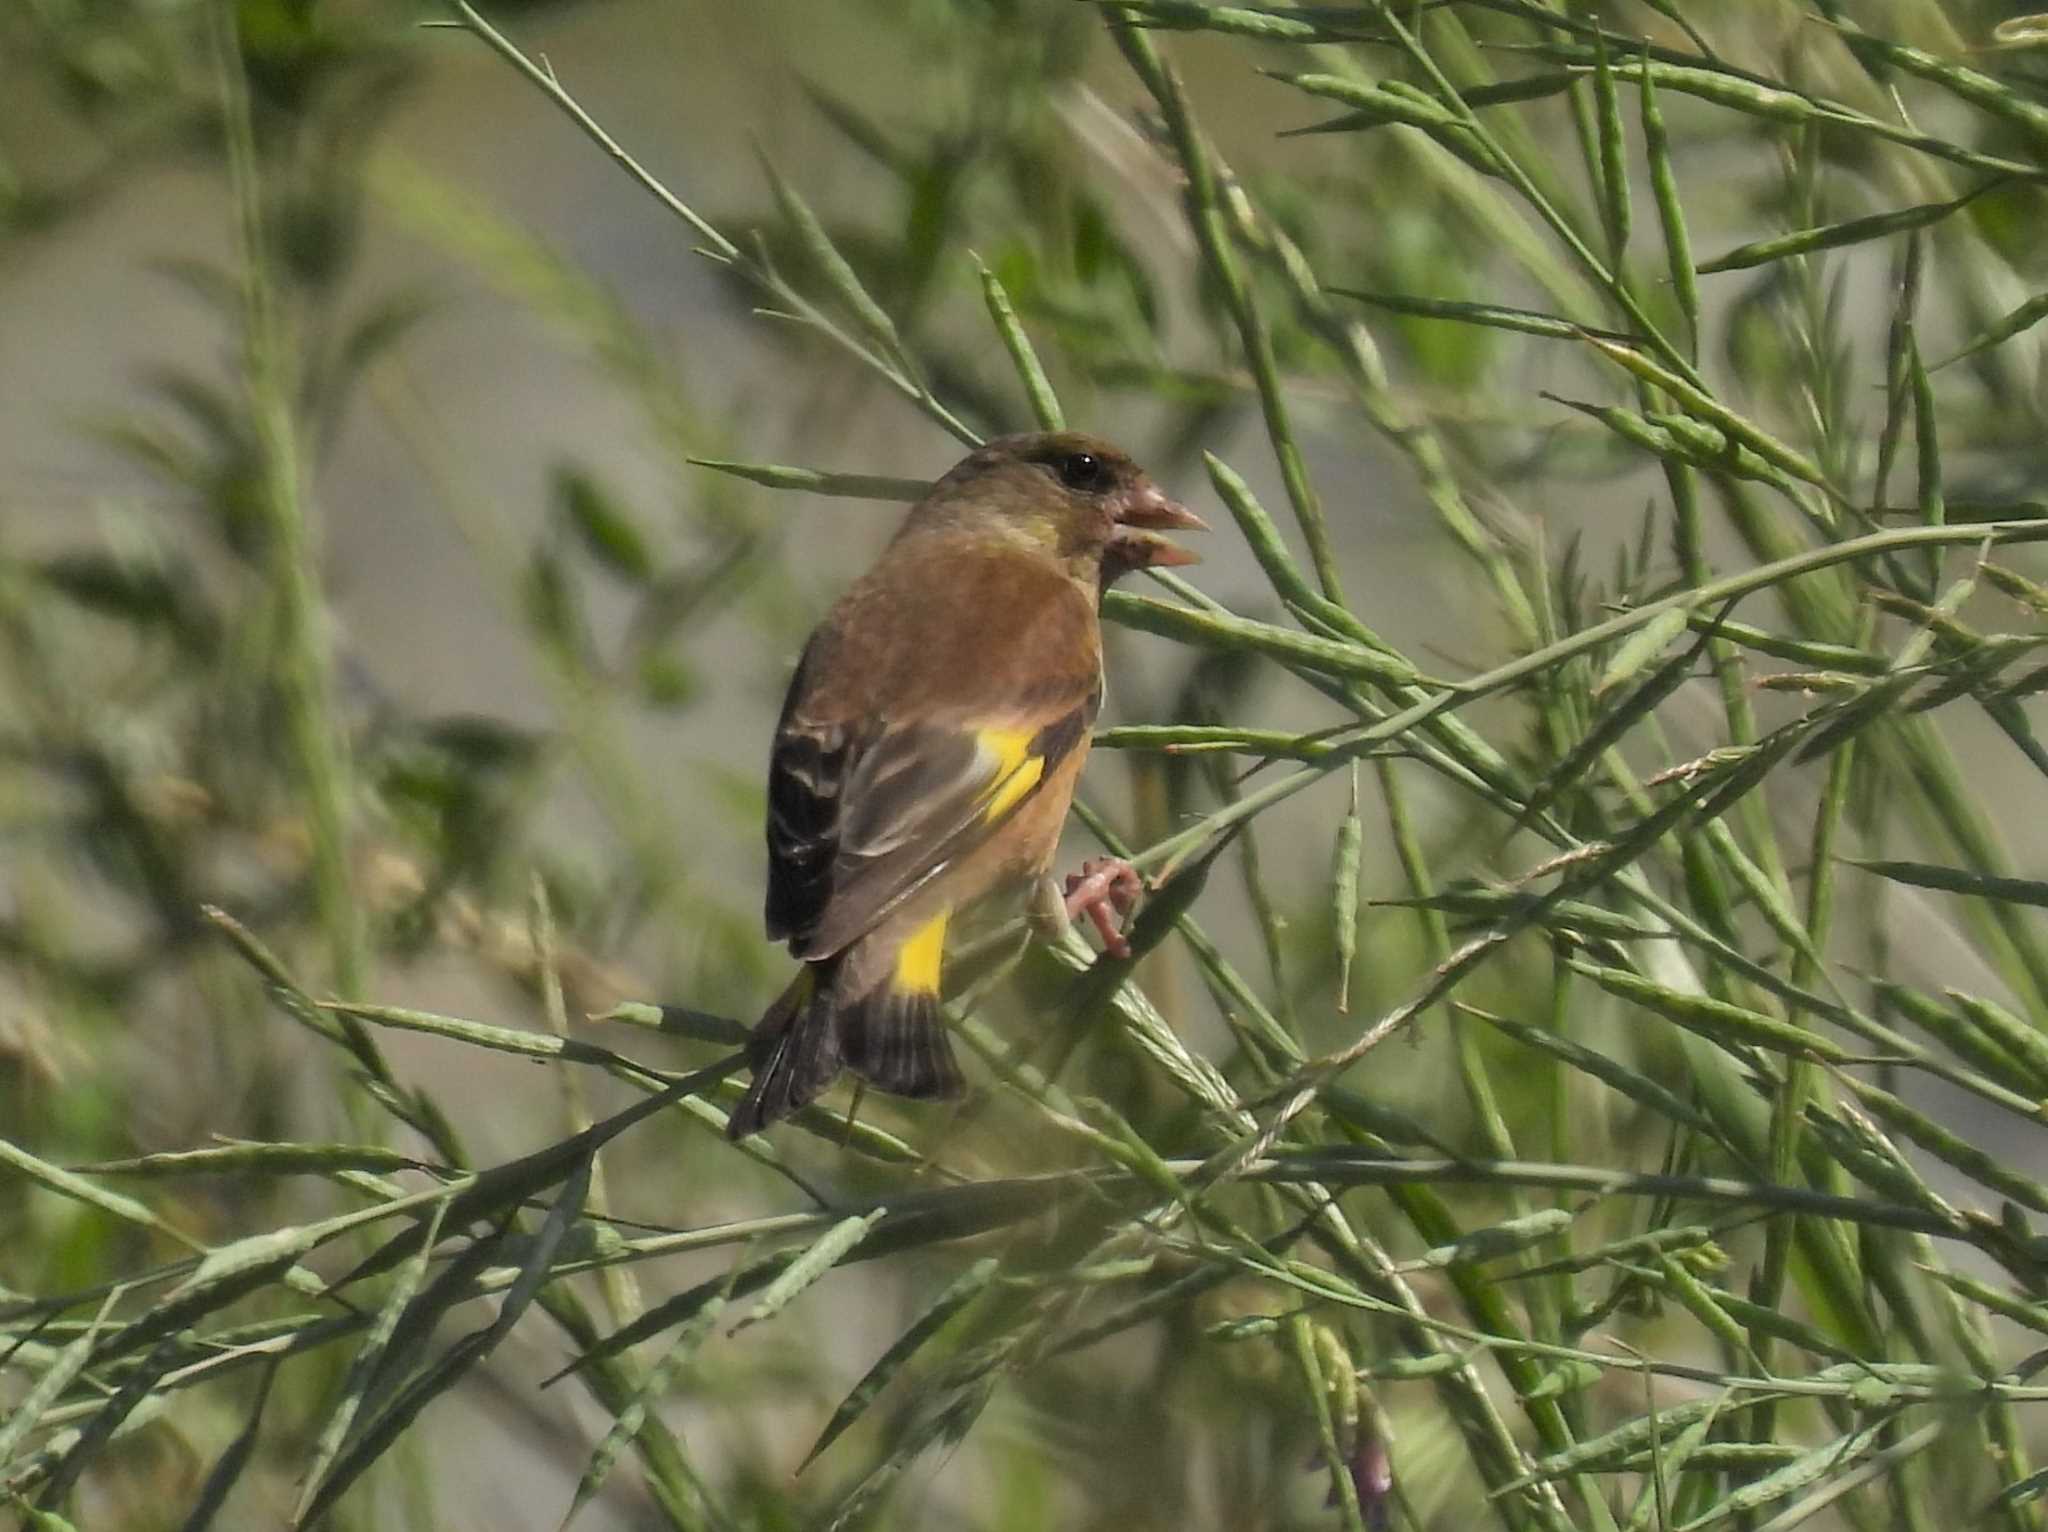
pixel 941 1419
pixel 35 1518
pixel 1610 1071
pixel 1613 725
pixel 1631 1437
pixel 1268 547
pixel 1704 405
pixel 2024 317
pixel 1897 388
pixel 1670 208
pixel 1642 646
pixel 1816 653
pixel 1852 231
pixel 854 486
pixel 49 1387
pixel 1766 895
pixel 438 1376
pixel 365 1365
pixel 1350 861
pixel 681 1309
pixel 138 1390
pixel 604 527
pixel 1704 1305
pixel 1045 404
pixel 1775 1322
pixel 2034 1316
pixel 2032 596
pixel 1960 1036
pixel 1716 1020
pixel 1378 103
pixel 1812 682
pixel 808 1267
pixel 1750 97
pixel 1237 20
pixel 1301 1341
pixel 1695 1242
pixel 1667 1462
pixel 1926 442
pixel 1809 1468
pixel 1973 511
pixel 1193 739
pixel 1986 1168
pixel 244 1158
pixel 1492 316
pixel 1614 193
pixel 2008 1034
pixel 1953 880
pixel 489 1193
pixel 481 1034
pixel 66 1184
pixel 833 266
pixel 2021 31
pixel 688 1340
pixel 1711 448
pixel 229 1467
pixel 1496 1240
pixel 1227 631
pixel 1980 90
pixel 1531 87
pixel 1561 1378
pixel 155 592
pixel 1474 902
pixel 2022 1492
pixel 955 1296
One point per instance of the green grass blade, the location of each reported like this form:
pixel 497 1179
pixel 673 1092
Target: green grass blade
pixel 955 1296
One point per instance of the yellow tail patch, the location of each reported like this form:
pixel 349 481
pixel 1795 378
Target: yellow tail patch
pixel 917 960
pixel 1017 769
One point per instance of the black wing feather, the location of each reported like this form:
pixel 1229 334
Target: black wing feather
pixel 859 818
pixel 806 772
pixel 804 782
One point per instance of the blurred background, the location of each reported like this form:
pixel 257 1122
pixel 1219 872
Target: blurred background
pixel 359 573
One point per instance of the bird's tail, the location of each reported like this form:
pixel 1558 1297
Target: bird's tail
pixel 794 1052
pixel 894 1040
pixel 887 1033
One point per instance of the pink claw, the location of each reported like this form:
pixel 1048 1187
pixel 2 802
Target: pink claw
pixel 1103 884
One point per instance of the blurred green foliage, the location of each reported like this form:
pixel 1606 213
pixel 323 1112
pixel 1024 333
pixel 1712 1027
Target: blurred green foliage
pixel 1705 1193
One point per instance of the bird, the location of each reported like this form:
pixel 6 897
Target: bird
pixel 927 753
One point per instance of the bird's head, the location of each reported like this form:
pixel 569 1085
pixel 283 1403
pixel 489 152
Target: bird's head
pixel 1074 497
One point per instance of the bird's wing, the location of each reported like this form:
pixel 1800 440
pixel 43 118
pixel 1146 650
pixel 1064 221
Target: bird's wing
pixel 862 813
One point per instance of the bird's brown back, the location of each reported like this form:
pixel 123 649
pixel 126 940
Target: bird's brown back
pixel 945 625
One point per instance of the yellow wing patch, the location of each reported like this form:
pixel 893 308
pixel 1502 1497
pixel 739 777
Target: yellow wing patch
pixel 1017 769
pixel 917 960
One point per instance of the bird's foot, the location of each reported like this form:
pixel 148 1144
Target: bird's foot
pixel 1103 884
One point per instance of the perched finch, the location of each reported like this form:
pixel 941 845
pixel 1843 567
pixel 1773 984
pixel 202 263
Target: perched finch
pixel 928 750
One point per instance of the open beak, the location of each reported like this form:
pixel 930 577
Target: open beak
pixel 1145 513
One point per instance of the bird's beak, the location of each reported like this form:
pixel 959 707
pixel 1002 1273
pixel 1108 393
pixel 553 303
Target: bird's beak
pixel 1146 512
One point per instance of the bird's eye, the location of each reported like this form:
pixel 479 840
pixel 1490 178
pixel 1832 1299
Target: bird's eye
pixel 1084 471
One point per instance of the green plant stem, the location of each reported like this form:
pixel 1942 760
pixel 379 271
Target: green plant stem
pixel 718 247
pixel 303 655
pixel 1357 741
pixel 1205 217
